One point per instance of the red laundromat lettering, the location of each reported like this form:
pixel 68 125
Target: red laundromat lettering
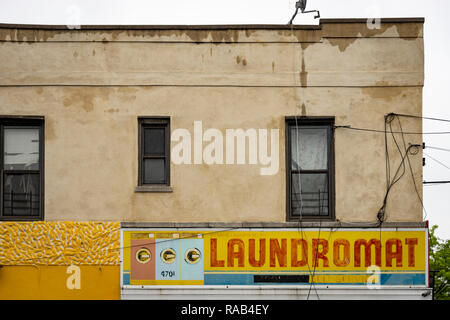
pixel 366 252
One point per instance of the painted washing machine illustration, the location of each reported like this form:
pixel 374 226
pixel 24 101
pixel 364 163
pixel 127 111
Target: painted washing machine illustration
pixel 164 258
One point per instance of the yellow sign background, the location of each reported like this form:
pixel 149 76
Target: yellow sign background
pixel 393 238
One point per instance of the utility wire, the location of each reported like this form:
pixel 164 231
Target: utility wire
pixel 435 182
pixel 400 172
pixel 419 117
pixel 437 148
pixel 442 164
pixel 305 253
pixel 410 168
pixel 381 215
pixel 384 131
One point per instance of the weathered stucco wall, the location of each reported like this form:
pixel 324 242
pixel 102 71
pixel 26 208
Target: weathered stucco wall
pixel 91 85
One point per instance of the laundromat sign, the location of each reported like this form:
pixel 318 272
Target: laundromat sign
pixel 268 257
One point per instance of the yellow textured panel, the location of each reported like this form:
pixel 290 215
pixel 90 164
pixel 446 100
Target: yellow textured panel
pixel 60 243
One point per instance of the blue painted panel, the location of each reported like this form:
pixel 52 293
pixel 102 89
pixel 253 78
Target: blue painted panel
pixel 247 279
pixel 191 271
pixel 403 279
pixel 167 271
pixel 240 279
pixel 126 278
pixel 223 279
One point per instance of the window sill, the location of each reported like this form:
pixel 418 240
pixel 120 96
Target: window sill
pixel 154 188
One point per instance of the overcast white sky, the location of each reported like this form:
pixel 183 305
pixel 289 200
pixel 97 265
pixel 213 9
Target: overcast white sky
pixel 437 48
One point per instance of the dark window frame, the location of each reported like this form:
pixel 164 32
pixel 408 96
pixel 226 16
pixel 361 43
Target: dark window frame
pixel 328 122
pixel 153 122
pixel 23 121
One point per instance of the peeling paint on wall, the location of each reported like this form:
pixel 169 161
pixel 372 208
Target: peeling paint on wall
pixel 194 35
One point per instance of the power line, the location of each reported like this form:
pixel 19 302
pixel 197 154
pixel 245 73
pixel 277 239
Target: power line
pixel 437 148
pixel 419 117
pixel 435 182
pixel 303 235
pixel 381 214
pixel 410 166
pixel 384 131
pixel 442 164
pixel 400 115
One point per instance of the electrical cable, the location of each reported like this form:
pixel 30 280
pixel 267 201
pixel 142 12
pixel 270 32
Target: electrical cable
pixel 305 253
pixel 293 17
pixel 383 131
pixel 381 215
pixel 392 114
pixel 437 148
pixel 409 162
pixel 315 262
pixel 435 182
pixel 442 164
pixel 419 117
pixel 411 170
pixel 386 152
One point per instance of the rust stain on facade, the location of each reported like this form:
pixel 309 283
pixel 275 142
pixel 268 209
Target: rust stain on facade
pixel 383 90
pixel 303 74
pixel 112 84
pixel 303 110
pixel 343 35
pixel 240 59
pixel 84 97
pixel 408 31
pixel 49 129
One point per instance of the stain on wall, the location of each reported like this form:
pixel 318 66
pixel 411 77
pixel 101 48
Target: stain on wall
pixel 383 91
pixel 344 35
pixel 242 60
pixel 91 113
pixel 84 99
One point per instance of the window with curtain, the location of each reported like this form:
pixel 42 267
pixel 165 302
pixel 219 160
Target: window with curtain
pixel 309 168
pixel 21 168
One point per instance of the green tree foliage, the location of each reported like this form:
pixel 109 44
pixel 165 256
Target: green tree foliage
pixel 440 262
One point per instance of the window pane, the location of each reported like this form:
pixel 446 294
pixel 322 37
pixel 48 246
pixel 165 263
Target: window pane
pixel 309 148
pixel 309 194
pixel 154 141
pixel 154 171
pixel 21 151
pixel 21 194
